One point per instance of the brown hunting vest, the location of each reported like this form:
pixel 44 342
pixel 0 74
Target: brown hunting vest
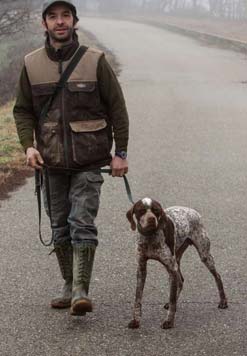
pixel 76 133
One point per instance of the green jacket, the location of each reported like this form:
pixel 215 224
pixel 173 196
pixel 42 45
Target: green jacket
pixel 110 106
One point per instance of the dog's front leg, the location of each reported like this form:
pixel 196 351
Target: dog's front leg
pixel 141 278
pixel 173 276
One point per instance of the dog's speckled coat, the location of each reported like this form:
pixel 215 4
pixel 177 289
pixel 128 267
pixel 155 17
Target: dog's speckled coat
pixel 164 235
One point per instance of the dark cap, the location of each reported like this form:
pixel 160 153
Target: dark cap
pixel 49 3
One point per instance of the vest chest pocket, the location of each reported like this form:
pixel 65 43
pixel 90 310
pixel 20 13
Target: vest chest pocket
pixel 83 94
pixel 89 141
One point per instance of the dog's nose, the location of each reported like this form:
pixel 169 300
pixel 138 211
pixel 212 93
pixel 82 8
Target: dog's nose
pixel 151 220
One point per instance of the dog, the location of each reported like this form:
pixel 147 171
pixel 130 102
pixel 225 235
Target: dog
pixel 164 235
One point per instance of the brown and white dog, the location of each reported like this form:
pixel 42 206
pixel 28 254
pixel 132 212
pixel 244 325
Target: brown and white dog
pixel 164 235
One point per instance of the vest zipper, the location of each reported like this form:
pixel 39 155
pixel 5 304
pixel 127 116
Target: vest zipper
pixel 65 138
pixel 60 66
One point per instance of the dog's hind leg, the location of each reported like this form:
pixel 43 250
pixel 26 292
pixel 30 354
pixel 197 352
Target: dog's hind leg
pixel 202 244
pixel 141 278
pixel 179 255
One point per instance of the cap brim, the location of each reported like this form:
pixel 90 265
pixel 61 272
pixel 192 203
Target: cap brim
pixel 71 6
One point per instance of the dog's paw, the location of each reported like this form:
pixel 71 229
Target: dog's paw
pixel 223 304
pixel 168 324
pixel 166 306
pixel 134 324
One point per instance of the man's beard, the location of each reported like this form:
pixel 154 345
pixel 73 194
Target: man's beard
pixel 57 38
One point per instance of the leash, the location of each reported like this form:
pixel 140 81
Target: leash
pixel 38 186
pixel 126 182
pixel 39 181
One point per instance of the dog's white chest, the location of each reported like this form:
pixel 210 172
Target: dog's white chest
pixel 153 247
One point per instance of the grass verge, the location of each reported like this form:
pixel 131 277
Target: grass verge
pixel 13 170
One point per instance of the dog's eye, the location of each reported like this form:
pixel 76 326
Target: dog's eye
pixel 142 212
pixel 156 211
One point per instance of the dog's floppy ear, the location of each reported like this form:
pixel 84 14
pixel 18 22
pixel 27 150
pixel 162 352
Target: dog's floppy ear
pixel 130 217
pixel 169 232
pixel 163 219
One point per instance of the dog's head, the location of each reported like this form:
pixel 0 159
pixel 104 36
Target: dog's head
pixel 149 215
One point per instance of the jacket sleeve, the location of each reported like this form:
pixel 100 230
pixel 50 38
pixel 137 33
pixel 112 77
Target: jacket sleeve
pixel 25 119
pixel 112 96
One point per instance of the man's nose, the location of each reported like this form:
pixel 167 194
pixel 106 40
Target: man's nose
pixel 60 20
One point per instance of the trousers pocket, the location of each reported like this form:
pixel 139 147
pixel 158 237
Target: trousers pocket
pixel 89 141
pixel 49 144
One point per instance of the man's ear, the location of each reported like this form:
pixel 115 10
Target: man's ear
pixel 44 24
pixel 130 217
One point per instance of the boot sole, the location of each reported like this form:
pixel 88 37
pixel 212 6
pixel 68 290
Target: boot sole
pixel 81 307
pixel 61 304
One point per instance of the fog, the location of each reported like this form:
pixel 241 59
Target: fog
pixel 227 9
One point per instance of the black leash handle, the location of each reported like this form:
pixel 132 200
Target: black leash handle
pixel 38 186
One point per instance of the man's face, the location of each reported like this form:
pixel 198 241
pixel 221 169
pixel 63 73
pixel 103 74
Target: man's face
pixel 59 23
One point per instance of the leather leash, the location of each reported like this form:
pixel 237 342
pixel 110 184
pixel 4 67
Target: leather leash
pixel 126 182
pixel 38 186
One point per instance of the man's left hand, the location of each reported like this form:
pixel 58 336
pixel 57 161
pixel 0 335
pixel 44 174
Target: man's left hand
pixel 119 166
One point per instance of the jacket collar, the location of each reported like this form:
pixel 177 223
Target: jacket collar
pixel 64 53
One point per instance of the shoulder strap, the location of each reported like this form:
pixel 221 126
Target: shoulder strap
pixel 64 78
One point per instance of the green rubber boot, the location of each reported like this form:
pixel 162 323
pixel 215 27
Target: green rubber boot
pixel 64 255
pixel 83 258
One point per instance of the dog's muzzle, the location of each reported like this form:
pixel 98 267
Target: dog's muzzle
pixel 148 225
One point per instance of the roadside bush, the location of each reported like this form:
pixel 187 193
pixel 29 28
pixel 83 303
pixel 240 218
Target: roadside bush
pixel 21 44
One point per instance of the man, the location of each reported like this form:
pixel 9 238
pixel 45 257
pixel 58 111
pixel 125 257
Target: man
pixel 74 140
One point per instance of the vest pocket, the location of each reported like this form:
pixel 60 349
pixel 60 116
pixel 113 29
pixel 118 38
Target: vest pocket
pixel 89 141
pixel 50 146
pixel 85 93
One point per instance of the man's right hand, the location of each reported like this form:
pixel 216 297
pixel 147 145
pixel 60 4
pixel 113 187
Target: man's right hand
pixel 34 158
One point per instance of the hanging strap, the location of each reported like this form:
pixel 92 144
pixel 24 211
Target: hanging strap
pixel 63 79
pixel 39 181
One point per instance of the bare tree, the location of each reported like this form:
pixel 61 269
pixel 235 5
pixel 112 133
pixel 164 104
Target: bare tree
pixel 14 16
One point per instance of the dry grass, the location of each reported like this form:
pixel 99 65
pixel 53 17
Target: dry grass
pixel 10 149
pixel 13 169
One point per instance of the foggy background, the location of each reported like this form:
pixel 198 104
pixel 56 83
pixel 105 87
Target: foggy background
pixel 20 30
pixel 13 13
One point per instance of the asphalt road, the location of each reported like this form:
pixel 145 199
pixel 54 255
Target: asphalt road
pixel 187 107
